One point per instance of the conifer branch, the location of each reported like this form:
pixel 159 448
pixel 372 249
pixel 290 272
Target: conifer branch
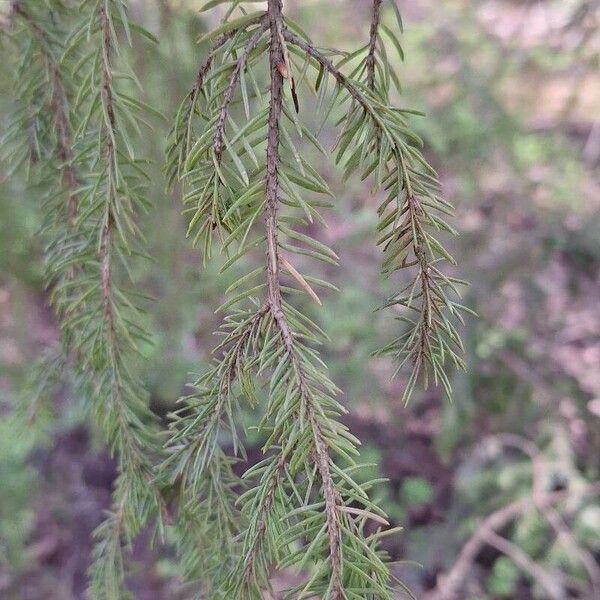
pixel 392 154
pixel 332 498
pixel 300 505
pixel 81 140
pixel 45 98
pixel 299 489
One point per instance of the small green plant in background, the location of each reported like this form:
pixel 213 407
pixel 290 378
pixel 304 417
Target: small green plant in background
pixel 415 491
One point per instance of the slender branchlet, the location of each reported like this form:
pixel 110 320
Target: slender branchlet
pixel 117 194
pixel 51 120
pixel 41 137
pixel 58 106
pixel 218 141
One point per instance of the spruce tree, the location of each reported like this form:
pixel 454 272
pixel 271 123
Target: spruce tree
pixel 252 195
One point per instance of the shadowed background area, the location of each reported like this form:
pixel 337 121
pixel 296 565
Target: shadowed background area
pixel 511 89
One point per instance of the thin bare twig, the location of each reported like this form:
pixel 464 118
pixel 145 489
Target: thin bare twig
pixel 450 584
pixel 553 583
pixel 551 515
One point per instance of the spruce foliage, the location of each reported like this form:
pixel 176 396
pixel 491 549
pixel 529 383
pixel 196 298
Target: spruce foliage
pixel 72 128
pixel 249 192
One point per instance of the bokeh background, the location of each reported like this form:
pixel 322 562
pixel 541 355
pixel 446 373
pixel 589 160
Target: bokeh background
pixel 511 89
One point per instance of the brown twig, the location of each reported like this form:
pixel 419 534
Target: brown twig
pixel 450 584
pixel 372 59
pixel 566 537
pixel 107 229
pixel 552 516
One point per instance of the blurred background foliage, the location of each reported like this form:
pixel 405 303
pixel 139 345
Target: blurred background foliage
pixel 511 89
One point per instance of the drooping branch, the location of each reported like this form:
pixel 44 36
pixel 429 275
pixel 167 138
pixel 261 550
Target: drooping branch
pixel 330 492
pixel 120 399
pixel 206 65
pixel 304 487
pixel 413 197
pixel 90 211
pixel 371 60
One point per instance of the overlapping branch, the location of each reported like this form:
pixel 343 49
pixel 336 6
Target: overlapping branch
pixel 59 107
pixel 80 138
